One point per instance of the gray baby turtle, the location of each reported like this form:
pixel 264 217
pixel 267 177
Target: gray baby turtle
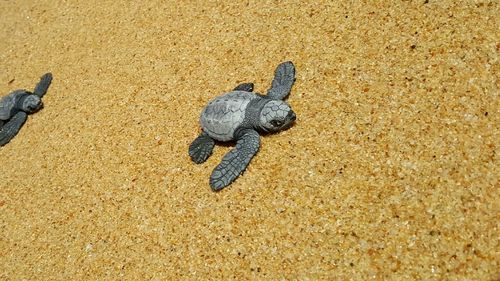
pixel 15 107
pixel 240 115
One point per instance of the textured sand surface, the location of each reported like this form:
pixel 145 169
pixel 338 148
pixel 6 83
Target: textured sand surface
pixel 391 171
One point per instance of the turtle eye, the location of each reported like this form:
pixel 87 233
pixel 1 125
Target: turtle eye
pixel 276 123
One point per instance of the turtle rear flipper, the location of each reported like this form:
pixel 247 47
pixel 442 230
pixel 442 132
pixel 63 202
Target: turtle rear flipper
pixel 284 77
pixel 11 128
pixel 43 85
pixel 236 160
pixel 201 148
pixel 247 87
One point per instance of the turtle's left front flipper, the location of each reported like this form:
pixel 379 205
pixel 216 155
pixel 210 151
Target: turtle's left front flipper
pixel 11 128
pixel 284 77
pixel 236 160
pixel 43 85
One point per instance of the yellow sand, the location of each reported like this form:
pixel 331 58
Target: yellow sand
pixel 391 171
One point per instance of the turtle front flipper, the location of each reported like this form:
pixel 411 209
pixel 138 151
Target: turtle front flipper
pixel 11 128
pixel 201 148
pixel 43 85
pixel 236 160
pixel 247 87
pixel 284 77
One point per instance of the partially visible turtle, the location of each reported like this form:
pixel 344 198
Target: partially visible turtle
pixel 239 115
pixel 15 107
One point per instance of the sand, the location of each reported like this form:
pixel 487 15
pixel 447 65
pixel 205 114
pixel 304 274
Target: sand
pixel 390 172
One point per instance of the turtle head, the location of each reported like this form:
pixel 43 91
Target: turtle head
pixel 276 115
pixel 31 103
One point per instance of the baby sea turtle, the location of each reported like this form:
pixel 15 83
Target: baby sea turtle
pixel 15 107
pixel 239 115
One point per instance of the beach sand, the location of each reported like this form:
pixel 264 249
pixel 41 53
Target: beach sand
pixel 390 172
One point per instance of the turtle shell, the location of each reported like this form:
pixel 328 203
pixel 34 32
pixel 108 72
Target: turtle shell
pixel 224 114
pixel 8 103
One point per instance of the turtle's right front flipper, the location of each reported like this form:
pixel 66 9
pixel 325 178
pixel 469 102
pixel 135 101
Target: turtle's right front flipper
pixel 201 148
pixel 11 128
pixel 247 87
pixel 236 160
pixel 43 85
